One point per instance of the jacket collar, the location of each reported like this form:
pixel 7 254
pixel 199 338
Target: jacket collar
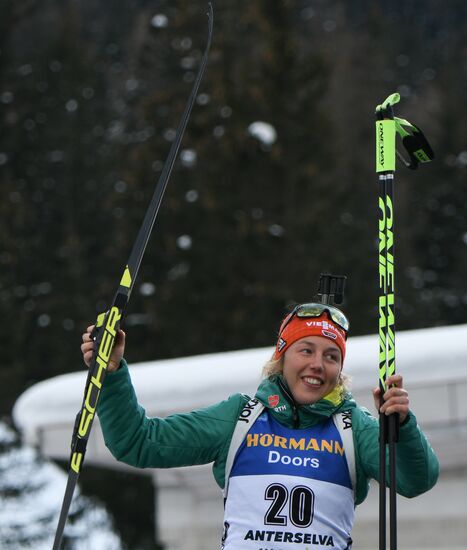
pixel 275 395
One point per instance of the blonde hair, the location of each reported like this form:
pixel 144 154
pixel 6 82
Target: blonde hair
pixel 276 366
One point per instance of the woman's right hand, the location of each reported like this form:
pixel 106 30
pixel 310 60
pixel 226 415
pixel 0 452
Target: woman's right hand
pixel 87 349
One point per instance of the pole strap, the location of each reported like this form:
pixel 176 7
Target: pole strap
pixel 415 143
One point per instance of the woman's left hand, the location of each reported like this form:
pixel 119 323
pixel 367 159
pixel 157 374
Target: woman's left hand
pixel 396 398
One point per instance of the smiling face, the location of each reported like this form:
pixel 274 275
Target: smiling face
pixel 311 368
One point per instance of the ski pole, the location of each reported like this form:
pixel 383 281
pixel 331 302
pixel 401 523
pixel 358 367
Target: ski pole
pixel 386 160
pixel 419 151
pixel 108 323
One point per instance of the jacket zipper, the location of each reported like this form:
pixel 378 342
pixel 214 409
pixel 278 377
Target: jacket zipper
pixel 291 401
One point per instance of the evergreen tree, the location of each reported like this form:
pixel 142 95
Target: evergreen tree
pixel 30 500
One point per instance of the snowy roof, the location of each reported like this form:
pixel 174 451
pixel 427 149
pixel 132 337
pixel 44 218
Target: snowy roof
pixel 427 357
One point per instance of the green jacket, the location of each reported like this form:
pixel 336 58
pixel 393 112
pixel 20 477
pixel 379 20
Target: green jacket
pixel 203 436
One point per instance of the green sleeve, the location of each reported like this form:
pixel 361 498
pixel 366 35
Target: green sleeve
pixel 197 437
pixel 417 467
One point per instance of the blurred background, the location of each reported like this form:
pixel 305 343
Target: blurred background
pixel 274 183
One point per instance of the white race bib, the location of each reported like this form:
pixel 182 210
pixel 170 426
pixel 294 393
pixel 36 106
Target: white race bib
pixel 289 489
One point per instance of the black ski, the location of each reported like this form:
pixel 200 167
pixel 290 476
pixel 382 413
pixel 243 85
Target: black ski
pixel 108 323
